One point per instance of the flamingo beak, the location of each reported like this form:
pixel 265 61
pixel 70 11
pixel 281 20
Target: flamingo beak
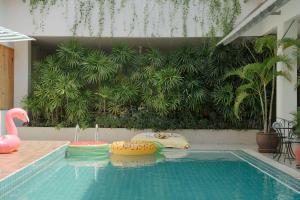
pixel 27 121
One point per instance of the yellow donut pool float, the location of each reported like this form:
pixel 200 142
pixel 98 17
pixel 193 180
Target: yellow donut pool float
pixel 133 148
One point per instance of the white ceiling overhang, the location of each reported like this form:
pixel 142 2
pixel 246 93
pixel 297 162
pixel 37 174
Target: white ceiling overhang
pixel 260 13
pixel 7 35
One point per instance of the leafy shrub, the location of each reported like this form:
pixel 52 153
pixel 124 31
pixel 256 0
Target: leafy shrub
pixel 184 88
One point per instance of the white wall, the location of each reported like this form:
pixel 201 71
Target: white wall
pixel 2 11
pixel 22 71
pixel 286 93
pixel 164 19
pixel 2 122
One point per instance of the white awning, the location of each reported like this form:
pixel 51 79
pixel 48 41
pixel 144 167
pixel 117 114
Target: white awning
pixel 253 18
pixel 7 35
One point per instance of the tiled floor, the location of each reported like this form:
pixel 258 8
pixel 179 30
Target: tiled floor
pixel 28 152
pixel 290 163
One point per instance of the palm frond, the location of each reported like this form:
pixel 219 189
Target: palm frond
pixel 223 95
pixel 289 42
pixel 268 42
pixel 71 53
pixel 238 101
pixel 122 54
pixel 153 57
pixel 99 67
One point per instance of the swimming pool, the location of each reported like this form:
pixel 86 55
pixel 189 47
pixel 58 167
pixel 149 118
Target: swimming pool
pixel 173 175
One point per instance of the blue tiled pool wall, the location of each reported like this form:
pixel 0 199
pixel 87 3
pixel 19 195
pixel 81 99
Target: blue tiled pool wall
pixel 13 181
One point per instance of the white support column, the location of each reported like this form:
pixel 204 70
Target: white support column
pixel 286 98
pixel 22 71
pixel 2 122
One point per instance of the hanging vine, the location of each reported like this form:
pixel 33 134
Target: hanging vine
pixel 133 19
pixel 214 17
pixel 172 15
pixel 146 18
pixel 185 12
pixel 222 15
pixel 101 16
pixel 112 16
pixel 123 3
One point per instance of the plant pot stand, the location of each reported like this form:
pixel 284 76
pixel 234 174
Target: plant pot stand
pixel 297 156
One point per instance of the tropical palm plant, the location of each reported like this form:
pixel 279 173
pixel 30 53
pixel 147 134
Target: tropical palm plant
pixel 258 77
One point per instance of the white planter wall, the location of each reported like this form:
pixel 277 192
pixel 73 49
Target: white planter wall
pixel 200 136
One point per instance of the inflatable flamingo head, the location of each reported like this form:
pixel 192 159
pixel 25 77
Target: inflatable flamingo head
pixel 18 113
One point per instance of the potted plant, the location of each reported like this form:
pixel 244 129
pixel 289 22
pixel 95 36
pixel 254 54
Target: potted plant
pixel 259 82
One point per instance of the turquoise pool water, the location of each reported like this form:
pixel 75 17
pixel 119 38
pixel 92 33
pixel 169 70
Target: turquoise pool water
pixel 227 175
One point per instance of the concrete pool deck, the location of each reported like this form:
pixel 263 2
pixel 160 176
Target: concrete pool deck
pixel 29 152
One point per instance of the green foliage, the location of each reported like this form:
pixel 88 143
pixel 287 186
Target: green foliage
pixel 151 89
pixel 222 15
pixel 296 122
pixel 259 79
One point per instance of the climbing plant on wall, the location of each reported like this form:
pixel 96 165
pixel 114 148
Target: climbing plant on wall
pixel 218 15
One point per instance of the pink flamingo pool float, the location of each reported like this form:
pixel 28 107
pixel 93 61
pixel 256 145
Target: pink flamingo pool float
pixel 11 142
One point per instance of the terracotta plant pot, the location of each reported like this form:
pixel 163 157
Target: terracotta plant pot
pixel 297 153
pixel 267 143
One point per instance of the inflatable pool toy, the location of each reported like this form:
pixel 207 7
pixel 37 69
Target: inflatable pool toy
pixel 123 161
pixel 87 148
pixel 11 142
pixel 170 140
pixel 134 148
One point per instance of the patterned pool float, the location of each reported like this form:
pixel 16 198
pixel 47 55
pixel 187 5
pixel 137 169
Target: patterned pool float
pixel 134 148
